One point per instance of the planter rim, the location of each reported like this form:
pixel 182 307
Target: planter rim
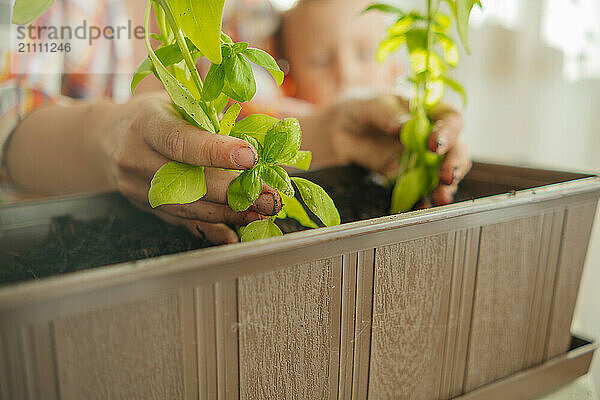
pixel 14 295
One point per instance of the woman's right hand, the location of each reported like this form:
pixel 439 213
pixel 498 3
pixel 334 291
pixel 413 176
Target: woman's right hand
pixel 150 133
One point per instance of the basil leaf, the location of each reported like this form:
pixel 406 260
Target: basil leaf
pixel 240 78
pixel 177 92
pixel 239 47
pixel 256 126
pixel 26 11
pixel 225 38
pixel 261 229
pixel 201 22
pixel 229 118
pixel 282 141
pixel 245 189
pixel 386 8
pixel 220 103
pixel 213 83
pixel 177 183
pixel 388 46
pixel 277 178
pixel 301 161
pixel 318 201
pixel 463 12
pixel 409 188
pixel 264 59
pixel 292 208
pixel 168 55
pixel 250 140
pixel 457 87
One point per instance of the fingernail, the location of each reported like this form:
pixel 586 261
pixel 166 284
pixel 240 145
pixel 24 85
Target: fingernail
pixel 245 157
pixel 267 203
pixel 439 144
pixel 454 174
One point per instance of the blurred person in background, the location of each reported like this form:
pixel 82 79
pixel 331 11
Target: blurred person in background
pixel 65 133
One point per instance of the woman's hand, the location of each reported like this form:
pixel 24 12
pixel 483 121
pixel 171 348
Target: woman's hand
pixel 96 146
pixel 151 134
pixel 366 131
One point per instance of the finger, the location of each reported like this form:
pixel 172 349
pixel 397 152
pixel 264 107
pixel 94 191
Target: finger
pixel 178 140
pixel 211 212
pixel 375 152
pixel 214 233
pixel 386 113
pixel 443 194
pixel 217 181
pixel 446 130
pixel 456 165
pixel 269 201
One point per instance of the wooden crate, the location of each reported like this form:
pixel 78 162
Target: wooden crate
pixel 424 305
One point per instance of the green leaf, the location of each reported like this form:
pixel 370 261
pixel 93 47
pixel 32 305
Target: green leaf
pixel 201 22
pixel 463 12
pixel 261 229
pixel 386 8
pixel 388 46
pixel 245 189
pixel 409 188
pixel 177 92
pixel 457 87
pixel 265 60
pixel 277 178
pixel 292 208
pixel 318 201
pixel 213 83
pixel 229 118
pixel 449 48
pixel 168 55
pixel 301 161
pixel 177 183
pixel 239 47
pixel 401 26
pixel 240 79
pixel 256 126
pixel 250 140
pixel 282 141
pixel 416 40
pixel 225 38
pixel 26 11
pixel 220 103
pixel 435 91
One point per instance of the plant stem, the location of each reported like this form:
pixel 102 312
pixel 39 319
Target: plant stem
pixel 189 62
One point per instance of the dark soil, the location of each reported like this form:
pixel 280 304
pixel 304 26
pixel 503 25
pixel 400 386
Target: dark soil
pixel 73 245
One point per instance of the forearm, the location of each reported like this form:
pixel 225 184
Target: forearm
pixel 62 149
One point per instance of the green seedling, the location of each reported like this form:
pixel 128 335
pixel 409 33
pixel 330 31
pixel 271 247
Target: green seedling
pixel 432 53
pixel 191 29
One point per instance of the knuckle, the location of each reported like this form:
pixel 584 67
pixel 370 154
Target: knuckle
pixel 174 144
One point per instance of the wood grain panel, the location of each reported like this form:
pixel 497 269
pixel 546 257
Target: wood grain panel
pixel 288 334
pixel 465 252
pixel 204 297
pixel 132 351
pixel 508 260
pixel 576 236
pixel 27 367
pixel 363 323
pixel 227 339
pixel 350 262
pixel 410 311
pixel 552 229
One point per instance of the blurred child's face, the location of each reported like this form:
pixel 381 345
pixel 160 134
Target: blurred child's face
pixel 331 49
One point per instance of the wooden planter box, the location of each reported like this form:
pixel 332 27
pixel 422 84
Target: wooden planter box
pixel 423 305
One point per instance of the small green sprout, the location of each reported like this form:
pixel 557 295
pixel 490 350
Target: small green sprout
pixel 432 52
